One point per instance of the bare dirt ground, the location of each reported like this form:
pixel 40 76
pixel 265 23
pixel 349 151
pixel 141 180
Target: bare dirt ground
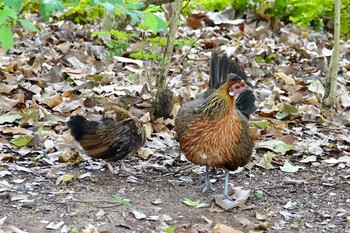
pixel 320 196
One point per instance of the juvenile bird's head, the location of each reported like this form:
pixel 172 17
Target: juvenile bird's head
pixel 222 100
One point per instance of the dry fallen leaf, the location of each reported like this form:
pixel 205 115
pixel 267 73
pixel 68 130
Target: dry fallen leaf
pixel 238 199
pixel 221 228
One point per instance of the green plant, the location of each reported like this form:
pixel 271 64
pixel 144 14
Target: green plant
pixel 216 5
pixel 9 17
pixel 313 13
pixel 11 14
pixel 170 229
pixel 82 11
pixel 259 194
pixel 197 204
pixel 295 224
pixel 125 202
pixel 119 42
pixel 146 19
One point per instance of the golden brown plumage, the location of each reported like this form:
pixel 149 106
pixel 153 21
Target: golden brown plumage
pixel 212 130
pixel 108 139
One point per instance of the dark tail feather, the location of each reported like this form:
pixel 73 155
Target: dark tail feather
pixel 220 67
pixel 78 126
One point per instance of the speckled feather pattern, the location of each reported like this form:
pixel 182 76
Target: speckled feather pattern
pixel 211 130
pixel 223 142
pixel 108 139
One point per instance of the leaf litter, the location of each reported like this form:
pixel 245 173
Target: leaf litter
pixel 42 170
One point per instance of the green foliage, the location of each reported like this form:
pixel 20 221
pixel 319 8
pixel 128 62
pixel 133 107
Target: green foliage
pixel 22 141
pixel 119 44
pixel 116 48
pixel 9 17
pixel 259 194
pixel 217 5
pixel 197 204
pixel 82 12
pixel 47 7
pixel 170 229
pixel 125 202
pixel 146 19
pixel 313 13
pixel 143 55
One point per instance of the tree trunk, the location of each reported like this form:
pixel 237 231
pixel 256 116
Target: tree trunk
pixel 332 74
pixel 164 95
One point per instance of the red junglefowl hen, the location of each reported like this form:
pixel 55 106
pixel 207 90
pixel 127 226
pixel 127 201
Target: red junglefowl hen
pixel 213 129
pixel 109 139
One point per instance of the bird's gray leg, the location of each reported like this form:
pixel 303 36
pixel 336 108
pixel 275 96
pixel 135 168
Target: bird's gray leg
pixel 225 193
pixel 207 184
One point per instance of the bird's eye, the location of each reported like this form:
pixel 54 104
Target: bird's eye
pixel 237 86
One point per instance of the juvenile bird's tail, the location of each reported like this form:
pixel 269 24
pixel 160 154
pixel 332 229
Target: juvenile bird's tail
pixel 220 67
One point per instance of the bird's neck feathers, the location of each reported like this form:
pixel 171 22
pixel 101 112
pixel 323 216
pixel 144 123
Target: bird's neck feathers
pixel 218 104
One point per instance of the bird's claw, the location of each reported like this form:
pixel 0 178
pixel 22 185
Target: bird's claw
pixel 226 197
pixel 207 187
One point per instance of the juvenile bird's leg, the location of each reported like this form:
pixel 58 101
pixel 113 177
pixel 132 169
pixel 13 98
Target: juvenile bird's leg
pixel 207 184
pixel 225 193
pixel 110 168
pixel 125 170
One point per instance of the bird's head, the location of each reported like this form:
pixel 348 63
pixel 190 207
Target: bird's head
pixel 235 85
pixel 222 100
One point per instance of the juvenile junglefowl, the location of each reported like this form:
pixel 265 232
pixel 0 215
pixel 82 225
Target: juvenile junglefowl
pixel 109 139
pixel 213 129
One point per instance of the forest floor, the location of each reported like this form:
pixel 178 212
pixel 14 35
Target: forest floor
pixel 313 200
pixel 298 179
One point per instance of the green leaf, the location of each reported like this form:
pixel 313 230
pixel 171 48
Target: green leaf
pixel 13 4
pixel 47 8
pixel 9 118
pixel 260 59
pixel 288 167
pixel 28 25
pixel 22 141
pixel 197 204
pixel 132 77
pixel 125 202
pixel 259 194
pixel 270 58
pixel 154 23
pixel 135 16
pixel 64 178
pixel 287 110
pixel 6 14
pixel 116 2
pixel 108 6
pixel 170 229
pixel 275 145
pixel 261 124
pixel 6 38
pixel 134 6
pixel 33 115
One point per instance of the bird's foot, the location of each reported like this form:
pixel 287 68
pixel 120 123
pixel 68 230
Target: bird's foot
pixel 226 197
pixel 207 187
pixel 111 169
pixel 126 171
